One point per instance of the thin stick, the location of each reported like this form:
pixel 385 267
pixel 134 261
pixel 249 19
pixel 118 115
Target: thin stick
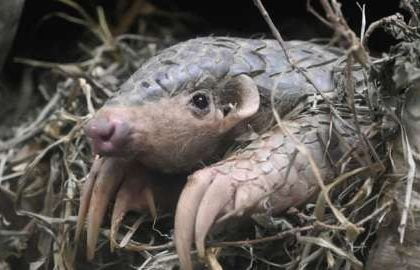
pixel 264 239
pixel 274 30
pixel 35 127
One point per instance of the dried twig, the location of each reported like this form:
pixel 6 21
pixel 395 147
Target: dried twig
pixel 274 30
pixel 411 173
pixel 396 19
pixel 35 127
pixel 336 21
pixel 408 6
pixel 278 236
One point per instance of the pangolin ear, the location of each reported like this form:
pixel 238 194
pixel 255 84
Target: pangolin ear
pixel 245 100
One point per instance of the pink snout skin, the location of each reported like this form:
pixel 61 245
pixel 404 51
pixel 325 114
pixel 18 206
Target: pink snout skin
pixel 108 135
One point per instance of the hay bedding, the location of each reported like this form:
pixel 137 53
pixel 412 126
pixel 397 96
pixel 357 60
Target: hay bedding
pixel 44 161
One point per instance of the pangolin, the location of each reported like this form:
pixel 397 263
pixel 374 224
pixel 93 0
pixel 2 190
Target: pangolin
pixel 204 108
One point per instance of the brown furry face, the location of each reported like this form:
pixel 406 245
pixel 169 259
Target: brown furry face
pixel 172 134
pixel 175 133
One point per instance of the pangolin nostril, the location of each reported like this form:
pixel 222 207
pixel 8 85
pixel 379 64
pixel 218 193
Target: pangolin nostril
pixel 100 128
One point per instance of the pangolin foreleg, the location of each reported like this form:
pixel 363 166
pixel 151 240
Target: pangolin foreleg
pixel 269 174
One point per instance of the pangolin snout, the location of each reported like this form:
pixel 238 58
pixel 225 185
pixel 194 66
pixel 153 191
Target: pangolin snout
pixel 107 135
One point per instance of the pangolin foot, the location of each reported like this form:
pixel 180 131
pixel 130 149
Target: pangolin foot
pixel 107 178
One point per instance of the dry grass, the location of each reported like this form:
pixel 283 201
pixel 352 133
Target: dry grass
pixel 44 163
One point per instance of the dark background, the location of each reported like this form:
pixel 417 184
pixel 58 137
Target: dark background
pixel 55 37
pixel 44 37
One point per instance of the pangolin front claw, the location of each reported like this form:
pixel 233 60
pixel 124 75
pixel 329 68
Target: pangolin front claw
pixel 210 209
pixel 135 194
pixel 105 184
pixel 186 212
pixel 267 175
pixel 112 177
pixel 86 196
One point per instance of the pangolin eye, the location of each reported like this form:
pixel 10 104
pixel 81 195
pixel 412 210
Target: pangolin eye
pixel 200 101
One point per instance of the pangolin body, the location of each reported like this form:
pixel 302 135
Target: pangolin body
pixel 181 112
pixel 188 64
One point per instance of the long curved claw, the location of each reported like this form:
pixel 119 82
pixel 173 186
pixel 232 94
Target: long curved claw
pixel 86 195
pixel 134 188
pixel 106 185
pixel 186 211
pixel 135 194
pixel 269 174
pixel 210 208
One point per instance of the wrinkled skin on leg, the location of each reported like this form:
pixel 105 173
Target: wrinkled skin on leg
pixel 268 175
